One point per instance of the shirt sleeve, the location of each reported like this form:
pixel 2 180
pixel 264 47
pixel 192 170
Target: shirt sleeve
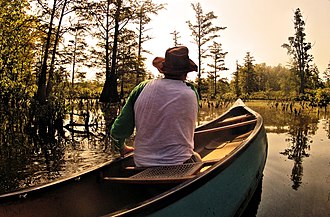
pixel 123 126
pixel 194 89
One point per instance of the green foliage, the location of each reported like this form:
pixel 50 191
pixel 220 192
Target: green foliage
pixel 217 64
pixel 270 83
pixel 51 15
pixel 248 76
pixel 87 90
pixel 203 31
pixel 322 97
pixel 319 97
pixel 204 87
pixel 144 10
pixel 298 49
pixel 229 97
pixel 245 79
pixel 327 76
pixel 17 59
pixel 274 78
pixel 272 95
pixel 17 39
pixel 260 95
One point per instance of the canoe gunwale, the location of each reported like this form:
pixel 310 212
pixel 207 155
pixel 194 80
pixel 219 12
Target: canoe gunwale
pixel 22 194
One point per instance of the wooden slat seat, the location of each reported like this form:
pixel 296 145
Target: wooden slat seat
pixel 220 150
pixel 236 119
pixel 161 174
pixel 226 127
pixel 217 145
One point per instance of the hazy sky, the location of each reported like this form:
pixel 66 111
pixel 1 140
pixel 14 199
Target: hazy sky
pixel 256 26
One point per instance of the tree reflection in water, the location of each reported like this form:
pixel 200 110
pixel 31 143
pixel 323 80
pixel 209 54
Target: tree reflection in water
pixel 299 121
pixel 26 160
pixel 29 158
pixel 252 208
pixel 327 128
pixel 300 128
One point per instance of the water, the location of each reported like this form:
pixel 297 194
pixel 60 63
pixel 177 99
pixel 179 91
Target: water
pixel 28 162
pixel 296 190
pixel 296 178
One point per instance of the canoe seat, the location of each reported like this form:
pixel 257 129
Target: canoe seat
pixel 161 174
pixel 226 127
pixel 234 143
pixel 217 150
pixel 236 119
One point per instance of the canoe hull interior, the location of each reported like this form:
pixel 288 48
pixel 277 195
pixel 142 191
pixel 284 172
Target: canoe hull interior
pixel 86 196
pixel 228 191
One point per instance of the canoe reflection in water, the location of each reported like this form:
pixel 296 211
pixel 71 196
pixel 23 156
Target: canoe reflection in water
pixel 252 208
pixel 233 148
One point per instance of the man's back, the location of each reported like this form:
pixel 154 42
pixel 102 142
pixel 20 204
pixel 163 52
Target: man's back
pixel 165 118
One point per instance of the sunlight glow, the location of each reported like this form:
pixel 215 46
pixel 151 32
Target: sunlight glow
pixel 255 26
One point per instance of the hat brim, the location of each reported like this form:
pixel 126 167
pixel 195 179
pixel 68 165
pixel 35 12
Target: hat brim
pixel 158 63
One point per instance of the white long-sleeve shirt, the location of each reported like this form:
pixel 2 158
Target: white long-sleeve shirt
pixel 165 114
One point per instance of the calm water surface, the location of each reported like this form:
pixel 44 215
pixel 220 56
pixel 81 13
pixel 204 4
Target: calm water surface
pixel 296 178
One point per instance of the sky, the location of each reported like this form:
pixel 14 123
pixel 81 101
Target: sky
pixel 256 26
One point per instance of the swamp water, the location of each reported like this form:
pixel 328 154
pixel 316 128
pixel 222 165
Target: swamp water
pixel 296 178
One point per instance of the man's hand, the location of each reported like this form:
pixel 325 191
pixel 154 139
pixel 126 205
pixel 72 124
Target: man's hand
pixel 125 150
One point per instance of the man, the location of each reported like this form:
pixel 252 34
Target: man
pixel 164 112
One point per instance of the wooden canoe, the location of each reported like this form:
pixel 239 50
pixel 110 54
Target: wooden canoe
pixel 233 148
